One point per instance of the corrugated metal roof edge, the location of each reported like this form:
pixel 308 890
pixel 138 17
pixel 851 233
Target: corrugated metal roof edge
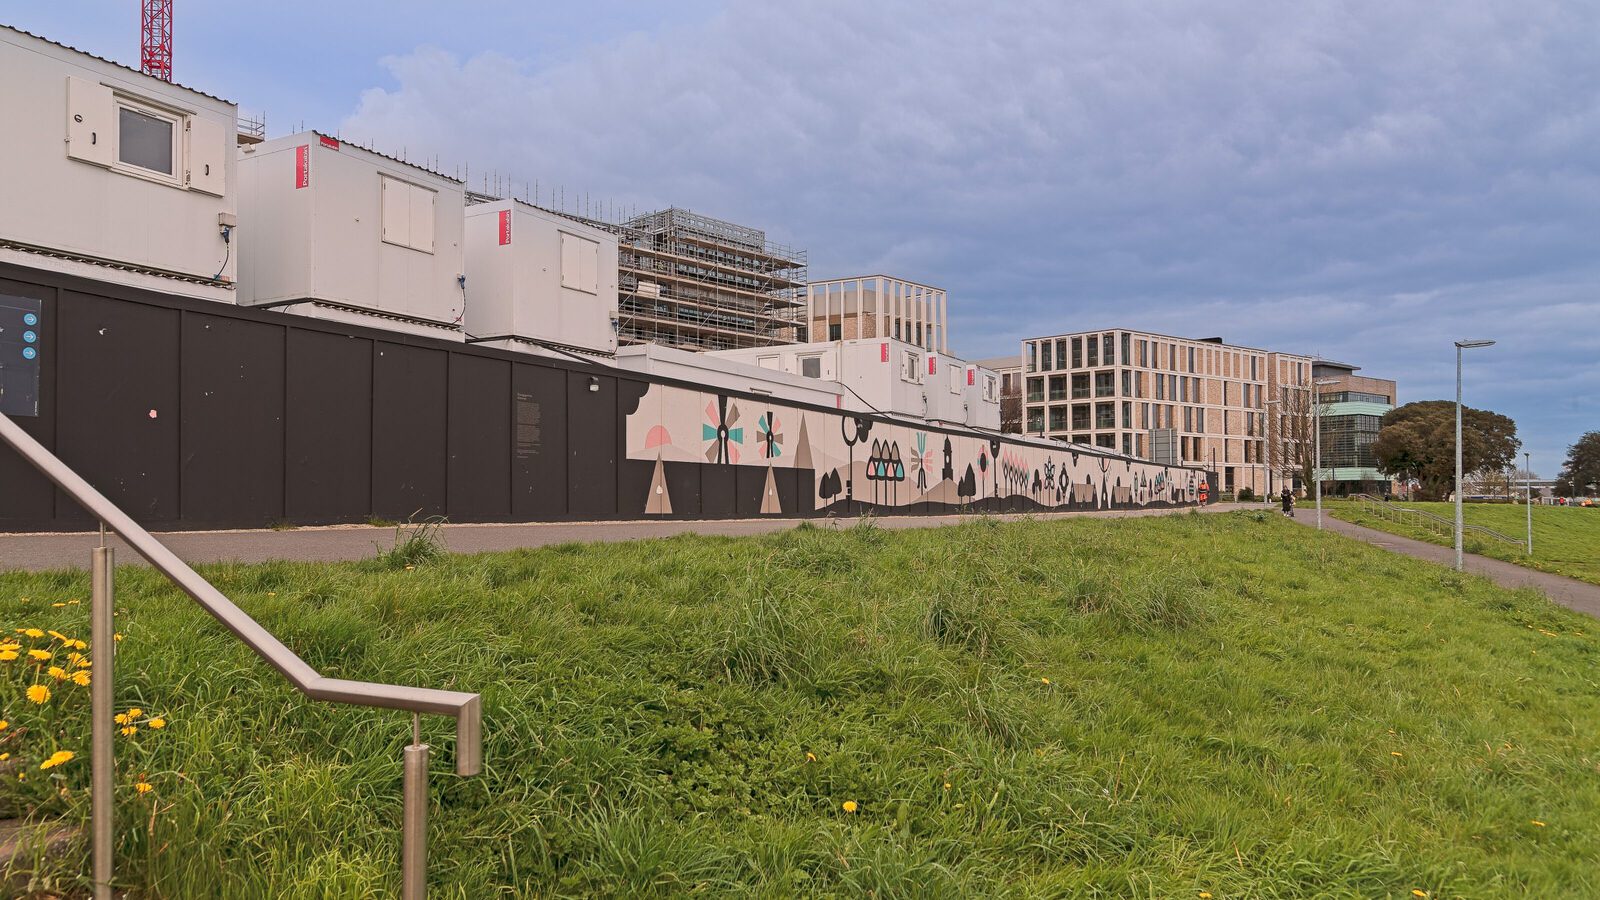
pixel 40 37
pixel 404 162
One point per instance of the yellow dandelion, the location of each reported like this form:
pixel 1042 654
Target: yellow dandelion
pixel 58 636
pixel 144 787
pixel 7 655
pixel 135 713
pixel 947 785
pixel 1537 822
pixel 73 602
pixel 811 757
pixel 850 806
pixel 1205 895
pixel 38 693
pixel 9 644
pixel 79 645
pixel 117 636
pixel 1418 892
pixel 22 776
pixel 39 654
pixel 1044 681
pixel 57 673
pixel 57 758
pixel 80 678
pixel 120 718
pixel 4 724
pixel 130 730
pixel 4 757
pixel 59 605
pixel 1396 753
pixel 157 722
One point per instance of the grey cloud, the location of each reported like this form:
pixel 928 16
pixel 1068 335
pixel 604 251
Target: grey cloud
pixel 1360 179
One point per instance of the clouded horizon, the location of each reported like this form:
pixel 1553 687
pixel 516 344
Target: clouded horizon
pixel 1363 181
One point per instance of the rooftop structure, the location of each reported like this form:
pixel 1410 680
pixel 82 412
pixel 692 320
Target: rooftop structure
pixel 876 306
pixel 690 281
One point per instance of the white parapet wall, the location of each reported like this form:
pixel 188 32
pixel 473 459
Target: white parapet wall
pixel 535 277
pixel 113 174
pixel 330 229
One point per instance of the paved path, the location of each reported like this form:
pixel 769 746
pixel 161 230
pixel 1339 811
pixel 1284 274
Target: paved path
pixel 36 552
pixel 1569 592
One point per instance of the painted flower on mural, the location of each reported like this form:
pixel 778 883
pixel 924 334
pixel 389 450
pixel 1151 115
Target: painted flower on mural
pixel 721 432
pixel 768 435
pixel 922 461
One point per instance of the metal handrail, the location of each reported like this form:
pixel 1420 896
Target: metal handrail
pixel 1383 510
pixel 464 707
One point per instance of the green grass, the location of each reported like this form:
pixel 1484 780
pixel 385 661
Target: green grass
pixel 1566 539
pixel 1235 704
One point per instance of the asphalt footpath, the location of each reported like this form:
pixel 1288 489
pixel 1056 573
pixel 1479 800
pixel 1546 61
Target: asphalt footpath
pixel 40 552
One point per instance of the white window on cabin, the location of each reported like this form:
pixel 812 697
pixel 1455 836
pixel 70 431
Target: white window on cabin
pixel 991 390
pixel 148 139
pixel 408 214
pixel 958 375
pixel 580 263
pixel 770 362
pixel 811 366
pixel 910 367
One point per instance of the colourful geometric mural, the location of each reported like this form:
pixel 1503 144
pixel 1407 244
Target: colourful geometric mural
pixel 850 462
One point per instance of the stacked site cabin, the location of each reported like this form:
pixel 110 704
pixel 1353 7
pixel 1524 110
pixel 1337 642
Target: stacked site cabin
pixel 113 173
pixel 340 232
pixel 538 280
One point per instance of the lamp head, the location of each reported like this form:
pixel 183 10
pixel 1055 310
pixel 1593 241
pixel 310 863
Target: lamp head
pixel 1469 345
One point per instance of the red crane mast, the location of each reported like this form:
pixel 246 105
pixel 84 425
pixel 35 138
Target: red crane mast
pixel 155 47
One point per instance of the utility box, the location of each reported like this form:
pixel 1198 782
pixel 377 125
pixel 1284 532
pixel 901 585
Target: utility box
pixel 537 277
pixel 110 168
pixel 331 226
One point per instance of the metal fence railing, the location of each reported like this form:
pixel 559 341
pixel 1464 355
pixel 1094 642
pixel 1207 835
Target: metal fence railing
pixel 465 708
pixel 1427 521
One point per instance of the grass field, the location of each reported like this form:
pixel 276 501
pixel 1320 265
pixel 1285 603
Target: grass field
pixel 1228 705
pixel 1566 539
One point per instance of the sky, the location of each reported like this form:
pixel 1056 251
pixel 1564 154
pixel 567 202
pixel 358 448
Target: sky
pixel 1365 181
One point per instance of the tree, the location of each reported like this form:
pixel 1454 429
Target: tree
pixel 1418 440
pixel 1582 468
pixel 1290 435
pixel 1011 412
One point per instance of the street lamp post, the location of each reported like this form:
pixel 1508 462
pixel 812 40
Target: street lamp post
pixel 1460 346
pixel 1266 429
pixel 1527 473
pixel 1316 428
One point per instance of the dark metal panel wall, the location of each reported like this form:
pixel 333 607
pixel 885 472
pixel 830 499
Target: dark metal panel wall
pixel 232 421
pixel 410 395
pixel 538 442
pixel 117 381
pixel 591 445
pixel 26 498
pixel 480 438
pixel 328 428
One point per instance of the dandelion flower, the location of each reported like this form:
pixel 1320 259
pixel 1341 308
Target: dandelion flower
pixel 39 654
pixel 1205 895
pixel 811 757
pixel 144 787
pixel 80 678
pixel 120 718
pixel 7 655
pixel 1044 681
pixel 117 636
pixel 57 758
pixel 57 673
pixel 4 757
pixel 1418 892
pixel 850 806
pixel 130 730
pixel 1537 822
pixel 38 693
pixel 4 724
pixel 73 602
pixel 157 722
pixel 1396 753
pixel 135 713
pixel 79 645
pixel 59 605
pixel 59 636
pixel 947 785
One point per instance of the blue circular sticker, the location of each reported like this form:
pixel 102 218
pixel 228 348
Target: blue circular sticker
pixel 30 319
pixel 29 353
pixel 29 337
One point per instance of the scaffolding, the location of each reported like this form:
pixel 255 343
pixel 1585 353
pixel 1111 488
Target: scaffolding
pixel 697 283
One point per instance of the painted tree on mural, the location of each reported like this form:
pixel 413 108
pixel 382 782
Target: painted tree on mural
pixel 854 430
pixel 968 487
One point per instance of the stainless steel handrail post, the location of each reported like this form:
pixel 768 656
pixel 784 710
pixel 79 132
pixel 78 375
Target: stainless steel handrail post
pixel 414 826
pixel 102 760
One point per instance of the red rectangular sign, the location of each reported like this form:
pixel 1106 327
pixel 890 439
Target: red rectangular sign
pixel 883 352
pixel 933 365
pixel 971 375
pixel 505 227
pixel 302 166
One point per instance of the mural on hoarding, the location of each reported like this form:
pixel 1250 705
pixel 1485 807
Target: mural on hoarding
pixel 852 463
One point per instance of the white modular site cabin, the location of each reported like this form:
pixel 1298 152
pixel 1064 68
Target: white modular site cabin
pixel 537 278
pixel 340 232
pixel 113 174
pixel 716 373
pixel 890 376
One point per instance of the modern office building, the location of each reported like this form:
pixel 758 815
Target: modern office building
pixel 872 306
pixel 1352 410
pixel 697 283
pixel 1165 398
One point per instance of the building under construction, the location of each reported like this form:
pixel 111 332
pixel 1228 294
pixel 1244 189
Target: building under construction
pixel 698 283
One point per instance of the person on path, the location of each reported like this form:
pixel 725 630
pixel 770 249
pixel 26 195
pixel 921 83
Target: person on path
pixel 1288 503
